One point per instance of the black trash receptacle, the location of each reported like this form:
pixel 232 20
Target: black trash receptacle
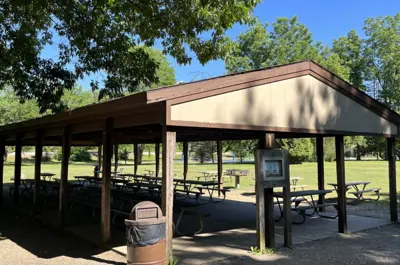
pixel 145 235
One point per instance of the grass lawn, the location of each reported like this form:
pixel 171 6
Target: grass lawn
pixel 374 171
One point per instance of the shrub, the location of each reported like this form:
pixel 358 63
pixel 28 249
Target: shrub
pixel 80 155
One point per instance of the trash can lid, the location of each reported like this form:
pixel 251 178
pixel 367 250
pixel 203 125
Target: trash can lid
pixel 146 213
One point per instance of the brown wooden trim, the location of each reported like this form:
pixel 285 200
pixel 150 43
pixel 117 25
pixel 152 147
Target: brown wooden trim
pixel 391 151
pixel 185 159
pixel 115 157
pixel 106 181
pixel 320 168
pixel 17 168
pixel 167 194
pixel 157 158
pixel 237 87
pixel 38 164
pixel 2 153
pixel 135 157
pixel 66 152
pixel 268 128
pixel 219 165
pixel 341 180
pixel 197 87
pixel 99 156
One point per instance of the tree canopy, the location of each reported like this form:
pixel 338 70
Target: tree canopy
pixel 289 41
pixel 107 38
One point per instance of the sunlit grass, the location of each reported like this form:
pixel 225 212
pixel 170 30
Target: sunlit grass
pixel 374 171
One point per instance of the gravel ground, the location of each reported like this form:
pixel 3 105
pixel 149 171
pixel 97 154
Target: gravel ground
pixel 25 242
pixel 375 246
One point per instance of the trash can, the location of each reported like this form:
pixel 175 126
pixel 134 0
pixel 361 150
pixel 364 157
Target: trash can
pixel 145 235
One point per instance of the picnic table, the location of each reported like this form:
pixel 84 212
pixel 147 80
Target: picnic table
pixel 208 175
pixel 359 187
pixel 151 172
pixel 45 175
pixel 90 179
pixel 294 185
pixel 190 185
pixel 307 196
pixel 27 185
pixel 237 173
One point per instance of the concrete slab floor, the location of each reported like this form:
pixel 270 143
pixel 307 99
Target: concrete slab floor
pixel 207 247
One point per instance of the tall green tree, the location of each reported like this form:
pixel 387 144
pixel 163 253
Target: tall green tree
pixel 350 49
pixel 106 37
pixel 383 55
pixel 289 41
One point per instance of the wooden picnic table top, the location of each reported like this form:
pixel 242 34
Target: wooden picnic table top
pixel 352 183
pixel 86 177
pixel 47 174
pixel 303 193
pixel 196 182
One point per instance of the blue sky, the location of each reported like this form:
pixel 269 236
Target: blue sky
pixel 326 19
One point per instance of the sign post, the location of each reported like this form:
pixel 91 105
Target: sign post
pixel 272 171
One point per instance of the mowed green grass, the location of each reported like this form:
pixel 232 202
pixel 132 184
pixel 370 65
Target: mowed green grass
pixel 374 171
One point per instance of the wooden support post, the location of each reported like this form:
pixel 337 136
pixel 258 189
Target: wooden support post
pixel 320 165
pixel 99 156
pixel 265 204
pixel 157 155
pixel 106 181
pixel 17 168
pixel 2 154
pixel 66 152
pixel 341 189
pixel 38 165
pixel 185 159
pixel 219 161
pixel 168 149
pixel 287 209
pixel 115 157
pixel 135 158
pixel 391 152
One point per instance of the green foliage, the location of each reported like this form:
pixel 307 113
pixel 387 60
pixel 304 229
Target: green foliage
pixel 329 149
pixel 80 154
pixel 106 38
pixel 350 49
pixel 123 155
pixel 383 55
pixel 289 41
pixel 172 261
pixel 265 251
pixel 241 148
pixel 300 150
pixel 203 151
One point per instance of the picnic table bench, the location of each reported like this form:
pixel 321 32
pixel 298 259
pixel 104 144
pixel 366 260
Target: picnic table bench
pixel 302 196
pixel 360 188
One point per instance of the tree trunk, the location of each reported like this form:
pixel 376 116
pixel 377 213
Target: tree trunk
pixel 140 156
pixel 358 153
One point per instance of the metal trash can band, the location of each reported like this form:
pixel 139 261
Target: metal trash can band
pixel 145 235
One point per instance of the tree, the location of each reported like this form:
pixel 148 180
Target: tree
pixel 203 151
pixel 289 41
pixel 383 57
pixel 300 150
pixel 124 155
pixel 241 148
pixel 357 143
pixel 107 38
pixel 350 49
